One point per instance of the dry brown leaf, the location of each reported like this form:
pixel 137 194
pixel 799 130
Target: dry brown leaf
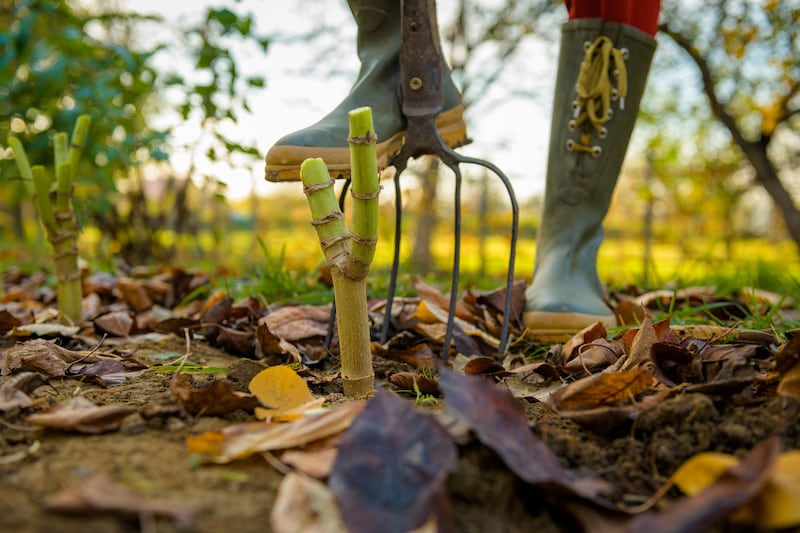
pixel 296 322
pixel 134 293
pixel 14 391
pixel 38 354
pixel 214 399
pixel 82 416
pixel 99 494
pixel 437 299
pixel 640 354
pixel 434 316
pixel 598 354
pixel 314 463
pixel 8 321
pixel 239 441
pixel 269 344
pixel 586 335
pixel 601 389
pixel 411 381
pixel 117 323
pixel 661 299
pixel 304 505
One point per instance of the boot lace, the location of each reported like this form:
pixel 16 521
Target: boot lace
pixel 595 92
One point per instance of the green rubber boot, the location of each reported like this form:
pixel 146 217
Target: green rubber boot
pixel 377 86
pixel 602 72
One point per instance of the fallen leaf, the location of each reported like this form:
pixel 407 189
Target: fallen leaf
pixel 40 355
pixel 117 323
pixel 296 322
pixel 313 463
pixel 407 348
pixel 242 440
pixel 607 388
pixel 134 293
pixel 8 321
pixel 735 487
pixel 499 421
pixel 600 353
pixel 106 372
pixel 789 384
pixel 233 341
pixel 82 416
pixel 214 399
pixel 588 334
pixel 483 365
pixel 389 474
pixel 496 301
pixel 304 505
pixel 283 391
pixel 640 353
pixel 44 330
pixel 414 382
pixel 435 298
pixel 776 506
pixel 99 494
pixel 14 391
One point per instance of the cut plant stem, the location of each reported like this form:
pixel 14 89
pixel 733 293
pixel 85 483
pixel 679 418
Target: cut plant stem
pixel 57 214
pixel 349 256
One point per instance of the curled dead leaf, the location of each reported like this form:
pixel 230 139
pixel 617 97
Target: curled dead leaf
pixel 213 399
pixel 82 416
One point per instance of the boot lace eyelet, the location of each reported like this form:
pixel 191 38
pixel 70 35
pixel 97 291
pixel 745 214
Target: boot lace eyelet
pixel 603 133
pixel 625 53
pixel 596 151
pixel 587 45
pixel 570 145
pixel 571 125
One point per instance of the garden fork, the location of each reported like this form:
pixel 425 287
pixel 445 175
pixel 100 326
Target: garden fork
pixel 422 100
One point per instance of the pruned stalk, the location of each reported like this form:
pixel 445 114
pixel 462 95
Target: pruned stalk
pixel 57 214
pixel 365 186
pixel 349 256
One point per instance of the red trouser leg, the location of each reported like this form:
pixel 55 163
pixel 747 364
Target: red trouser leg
pixel 641 14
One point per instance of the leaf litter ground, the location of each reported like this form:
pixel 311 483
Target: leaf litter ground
pixel 106 436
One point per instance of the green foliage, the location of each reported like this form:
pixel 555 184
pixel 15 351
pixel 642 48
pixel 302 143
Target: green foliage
pixel 52 71
pixel 58 61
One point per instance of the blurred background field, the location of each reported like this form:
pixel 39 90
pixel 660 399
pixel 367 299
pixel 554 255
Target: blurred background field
pixel 185 101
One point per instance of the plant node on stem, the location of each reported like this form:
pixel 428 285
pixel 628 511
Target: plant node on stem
pixel 57 215
pixel 349 256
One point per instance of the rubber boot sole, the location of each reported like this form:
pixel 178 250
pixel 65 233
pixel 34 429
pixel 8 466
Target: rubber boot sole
pixel 551 327
pixel 283 162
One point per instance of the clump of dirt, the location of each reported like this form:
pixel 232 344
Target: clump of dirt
pixel 148 455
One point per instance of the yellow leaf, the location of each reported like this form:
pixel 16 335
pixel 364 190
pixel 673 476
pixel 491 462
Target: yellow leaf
pixel 280 388
pixel 701 471
pixel 777 506
pixel 790 383
pixel 423 313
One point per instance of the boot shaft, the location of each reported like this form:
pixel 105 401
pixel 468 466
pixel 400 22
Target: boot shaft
pixel 602 72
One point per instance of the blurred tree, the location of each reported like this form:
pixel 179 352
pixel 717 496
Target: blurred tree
pixel 58 60
pixel 745 52
pixel 51 71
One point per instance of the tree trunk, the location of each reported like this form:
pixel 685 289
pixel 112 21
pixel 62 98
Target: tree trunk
pixel 767 176
pixel 754 151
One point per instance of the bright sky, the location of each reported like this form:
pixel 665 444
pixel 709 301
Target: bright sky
pixel 512 134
